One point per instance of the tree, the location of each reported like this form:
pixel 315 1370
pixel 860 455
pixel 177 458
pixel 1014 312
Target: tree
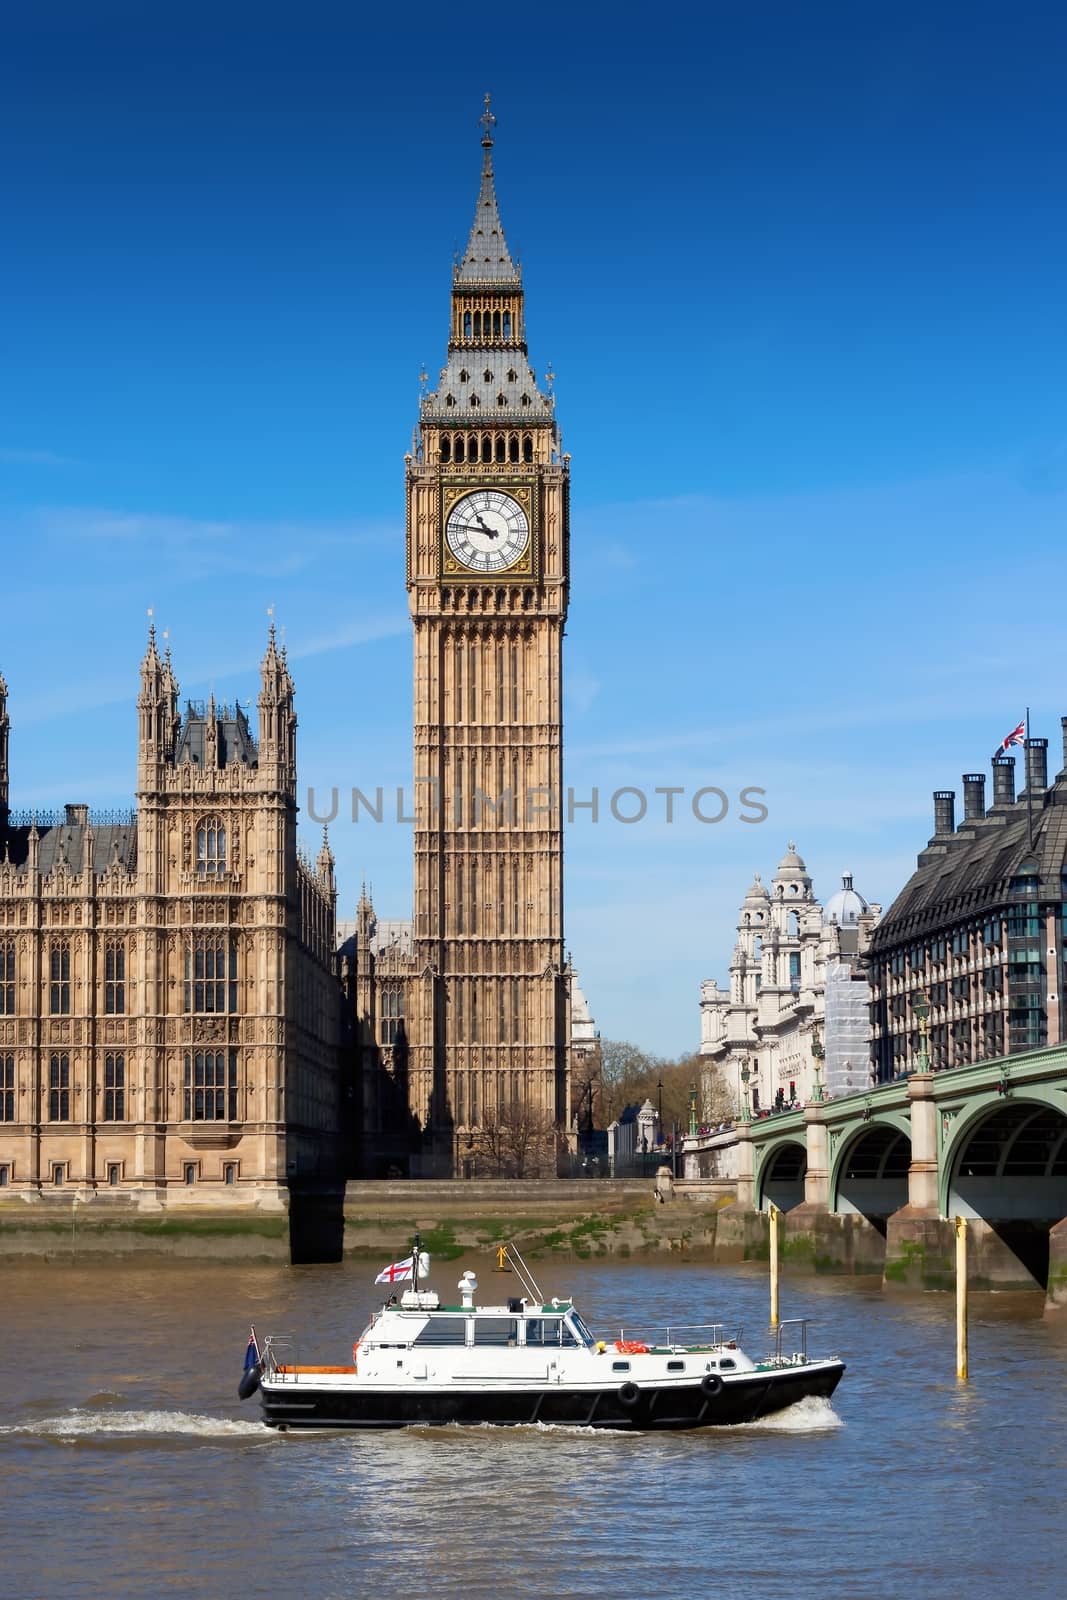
pixel 632 1075
pixel 517 1141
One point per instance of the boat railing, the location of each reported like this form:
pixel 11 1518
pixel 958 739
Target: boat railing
pixel 791 1342
pixel 683 1335
pixel 279 1350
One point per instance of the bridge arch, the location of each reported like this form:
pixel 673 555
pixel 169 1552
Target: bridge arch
pixel 869 1170
pixel 781 1174
pixel 1005 1161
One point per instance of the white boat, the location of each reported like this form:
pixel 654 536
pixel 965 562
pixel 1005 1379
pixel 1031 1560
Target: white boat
pixel 527 1360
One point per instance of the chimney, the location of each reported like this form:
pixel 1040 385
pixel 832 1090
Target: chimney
pixel 1003 780
pixel 1036 765
pixel 77 816
pixel 944 812
pixel 973 796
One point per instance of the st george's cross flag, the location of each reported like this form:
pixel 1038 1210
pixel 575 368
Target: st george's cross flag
pixel 398 1272
pixel 1016 736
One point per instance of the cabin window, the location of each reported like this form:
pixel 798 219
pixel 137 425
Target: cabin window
pixel 495 1331
pixel 443 1330
pixel 620 1366
pixel 550 1330
pixel 675 1366
pixel 728 1364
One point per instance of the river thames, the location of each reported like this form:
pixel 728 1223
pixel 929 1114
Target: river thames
pixel 129 1468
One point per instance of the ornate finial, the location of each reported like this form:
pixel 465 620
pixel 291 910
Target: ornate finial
pixel 791 846
pixel 270 613
pixel 550 376
pixel 424 378
pixel 151 625
pixel 488 122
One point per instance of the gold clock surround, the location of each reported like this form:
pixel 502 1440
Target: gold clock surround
pixel 526 491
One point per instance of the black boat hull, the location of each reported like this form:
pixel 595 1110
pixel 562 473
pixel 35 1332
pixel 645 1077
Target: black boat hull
pixel 745 1398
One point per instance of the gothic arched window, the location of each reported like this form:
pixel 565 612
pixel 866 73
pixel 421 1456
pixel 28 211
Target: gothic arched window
pixel 59 978
pixel 7 978
pixel 446 450
pixel 210 849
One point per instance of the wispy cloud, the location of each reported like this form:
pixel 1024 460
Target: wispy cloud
pixel 35 458
pixel 207 546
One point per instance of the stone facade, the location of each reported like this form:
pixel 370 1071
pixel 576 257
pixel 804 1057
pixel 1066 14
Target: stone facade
pixel 169 1007
pixel 466 1016
pixel 797 998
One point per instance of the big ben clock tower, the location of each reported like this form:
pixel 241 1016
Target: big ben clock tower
pixel 487 578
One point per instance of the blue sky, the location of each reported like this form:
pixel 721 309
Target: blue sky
pixel 799 272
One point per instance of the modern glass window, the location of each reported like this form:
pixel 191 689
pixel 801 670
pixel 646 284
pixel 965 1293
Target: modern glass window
pixel 59 979
pixel 114 978
pixel 114 1087
pixel 210 1086
pixel 7 978
pixel 7 1088
pixel 59 1089
pixel 211 973
pixel 211 849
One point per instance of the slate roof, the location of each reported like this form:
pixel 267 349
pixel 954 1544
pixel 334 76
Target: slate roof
pixel 235 736
pixel 69 839
pixel 499 363
pixel 487 258
pixel 969 872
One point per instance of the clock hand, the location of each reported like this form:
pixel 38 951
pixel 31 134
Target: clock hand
pixel 492 533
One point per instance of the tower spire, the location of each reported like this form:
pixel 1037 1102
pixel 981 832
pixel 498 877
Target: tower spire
pixel 487 258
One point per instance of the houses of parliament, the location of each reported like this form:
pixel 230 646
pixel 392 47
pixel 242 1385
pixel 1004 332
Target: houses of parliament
pixel 182 1017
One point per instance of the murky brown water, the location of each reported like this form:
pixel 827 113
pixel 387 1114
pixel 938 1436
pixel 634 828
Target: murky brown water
pixel 128 1468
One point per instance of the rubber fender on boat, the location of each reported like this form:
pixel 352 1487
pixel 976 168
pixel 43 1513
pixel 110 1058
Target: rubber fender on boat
pixel 629 1394
pixel 249 1384
pixel 711 1384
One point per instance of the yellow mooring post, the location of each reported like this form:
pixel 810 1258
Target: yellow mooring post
pixel 961 1299
pixel 775 1215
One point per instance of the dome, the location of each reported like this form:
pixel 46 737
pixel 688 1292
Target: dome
pixel 846 906
pixel 792 876
pixel 757 894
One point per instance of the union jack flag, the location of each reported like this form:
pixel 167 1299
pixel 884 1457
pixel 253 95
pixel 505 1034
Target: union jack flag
pixel 397 1272
pixel 1016 736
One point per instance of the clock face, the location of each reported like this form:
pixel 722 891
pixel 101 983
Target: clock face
pixel 487 530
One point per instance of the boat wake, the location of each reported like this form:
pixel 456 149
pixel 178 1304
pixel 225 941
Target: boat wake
pixel 99 1424
pixel 814 1414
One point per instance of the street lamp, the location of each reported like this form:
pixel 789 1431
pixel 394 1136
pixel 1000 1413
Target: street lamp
pixel 693 1111
pixel 921 1008
pixel 817 1053
pixel 659 1105
pixel 746 1073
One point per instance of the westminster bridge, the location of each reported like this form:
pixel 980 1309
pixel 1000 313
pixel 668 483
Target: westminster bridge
pixel 870 1181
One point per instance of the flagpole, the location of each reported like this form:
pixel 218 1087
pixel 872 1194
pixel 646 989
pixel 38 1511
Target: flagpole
pixel 1026 773
pixel 415 1263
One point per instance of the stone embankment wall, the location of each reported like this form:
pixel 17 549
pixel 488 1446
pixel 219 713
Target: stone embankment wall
pixel 376 1220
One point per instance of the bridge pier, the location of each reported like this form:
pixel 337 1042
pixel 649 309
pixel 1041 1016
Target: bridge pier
pixel 922 1173
pixel 1056 1298
pixel 817 1177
